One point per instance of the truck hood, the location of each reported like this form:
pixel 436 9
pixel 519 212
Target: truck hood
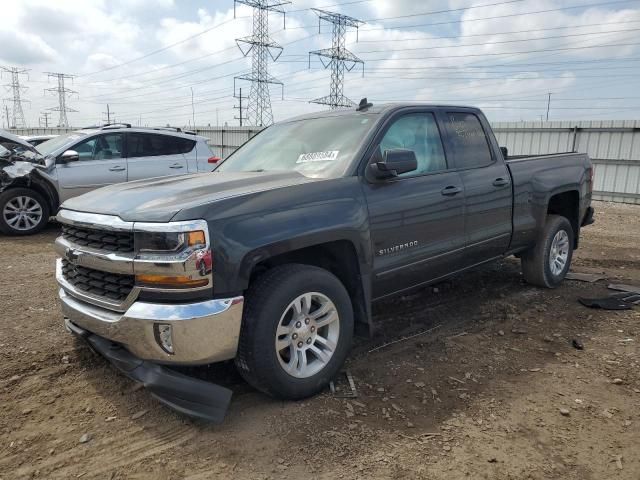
pixel 160 199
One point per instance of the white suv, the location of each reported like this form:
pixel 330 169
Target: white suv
pixel 80 161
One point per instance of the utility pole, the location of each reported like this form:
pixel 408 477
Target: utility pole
pixel 193 109
pixel 62 93
pixel 46 116
pixel 17 115
pixel 261 46
pixel 340 59
pixel 548 105
pixel 6 111
pixel 240 108
pixel 109 115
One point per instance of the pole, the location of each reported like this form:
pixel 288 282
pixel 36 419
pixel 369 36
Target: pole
pixel 193 111
pixel 548 105
pixel 6 110
pixel 240 106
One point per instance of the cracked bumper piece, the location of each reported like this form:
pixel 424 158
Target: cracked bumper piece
pixel 182 393
pixel 201 333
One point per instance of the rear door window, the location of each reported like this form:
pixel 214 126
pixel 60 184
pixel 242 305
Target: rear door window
pixel 154 145
pixel 468 140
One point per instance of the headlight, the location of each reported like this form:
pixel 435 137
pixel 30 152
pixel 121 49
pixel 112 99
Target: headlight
pixel 168 242
pixel 173 256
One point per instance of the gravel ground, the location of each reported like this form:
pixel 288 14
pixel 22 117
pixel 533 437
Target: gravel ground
pixel 495 389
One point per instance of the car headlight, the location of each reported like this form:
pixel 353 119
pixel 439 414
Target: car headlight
pixel 172 259
pixel 168 242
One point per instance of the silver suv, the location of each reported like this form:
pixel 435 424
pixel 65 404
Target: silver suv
pixel 75 163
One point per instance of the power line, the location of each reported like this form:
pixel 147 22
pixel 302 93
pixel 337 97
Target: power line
pixel 340 59
pixel 449 22
pixel 503 41
pixel 17 115
pixel 159 50
pixel 261 46
pixel 62 93
pixel 491 34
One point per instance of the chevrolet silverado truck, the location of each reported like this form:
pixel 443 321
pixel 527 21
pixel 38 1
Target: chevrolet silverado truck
pixel 275 258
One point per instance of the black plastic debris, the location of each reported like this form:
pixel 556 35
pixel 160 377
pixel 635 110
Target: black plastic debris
pixel 606 303
pixel 577 344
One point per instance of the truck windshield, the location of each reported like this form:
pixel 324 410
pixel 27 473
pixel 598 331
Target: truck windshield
pixel 316 147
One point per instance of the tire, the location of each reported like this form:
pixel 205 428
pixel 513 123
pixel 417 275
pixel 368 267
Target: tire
pixel 536 264
pixel 35 209
pixel 268 309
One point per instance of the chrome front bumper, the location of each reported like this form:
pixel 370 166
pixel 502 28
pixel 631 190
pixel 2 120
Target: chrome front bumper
pixel 202 333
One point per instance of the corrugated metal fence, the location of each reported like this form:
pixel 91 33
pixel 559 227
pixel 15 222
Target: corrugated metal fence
pixel 614 147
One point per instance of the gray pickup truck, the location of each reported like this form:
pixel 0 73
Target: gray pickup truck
pixel 275 258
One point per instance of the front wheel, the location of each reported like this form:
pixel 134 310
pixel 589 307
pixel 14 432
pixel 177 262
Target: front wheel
pixel 296 331
pixel 22 212
pixel 546 264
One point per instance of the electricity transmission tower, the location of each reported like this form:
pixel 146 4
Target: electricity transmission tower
pixel 63 93
pixel 261 46
pixel 340 59
pixel 17 115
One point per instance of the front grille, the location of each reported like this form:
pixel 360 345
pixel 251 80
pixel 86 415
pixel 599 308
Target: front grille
pixel 111 241
pixel 113 286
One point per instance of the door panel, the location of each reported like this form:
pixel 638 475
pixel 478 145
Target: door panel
pixel 417 218
pixel 154 155
pixel 487 185
pixel 488 212
pixel 417 232
pixel 100 164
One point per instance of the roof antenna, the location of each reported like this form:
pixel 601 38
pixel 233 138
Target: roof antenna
pixel 363 105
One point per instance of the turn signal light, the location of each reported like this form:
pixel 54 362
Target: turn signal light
pixel 163 281
pixel 195 239
pixel 213 159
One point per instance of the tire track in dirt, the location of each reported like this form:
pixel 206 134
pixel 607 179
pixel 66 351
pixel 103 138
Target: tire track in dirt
pixel 115 452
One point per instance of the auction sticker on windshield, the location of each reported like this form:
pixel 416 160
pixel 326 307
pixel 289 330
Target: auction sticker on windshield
pixel 328 156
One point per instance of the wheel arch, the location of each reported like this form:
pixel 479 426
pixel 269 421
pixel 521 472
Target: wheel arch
pixel 567 204
pixel 41 186
pixel 341 258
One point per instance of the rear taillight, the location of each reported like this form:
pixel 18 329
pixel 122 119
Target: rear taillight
pixel 592 172
pixel 213 159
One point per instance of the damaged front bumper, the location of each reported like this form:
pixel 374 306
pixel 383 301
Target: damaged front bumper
pixel 182 393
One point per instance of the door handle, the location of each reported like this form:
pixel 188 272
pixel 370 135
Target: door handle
pixel 450 190
pixel 117 168
pixel 500 182
pixel 176 165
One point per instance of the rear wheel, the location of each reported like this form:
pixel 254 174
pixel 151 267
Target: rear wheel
pixel 22 212
pixel 546 264
pixel 296 331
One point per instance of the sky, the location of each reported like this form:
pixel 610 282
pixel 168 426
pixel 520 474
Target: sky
pixel 144 58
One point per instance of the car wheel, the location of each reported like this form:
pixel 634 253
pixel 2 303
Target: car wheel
pixel 296 331
pixel 546 264
pixel 22 212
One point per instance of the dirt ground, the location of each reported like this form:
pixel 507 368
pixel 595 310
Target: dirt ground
pixel 494 390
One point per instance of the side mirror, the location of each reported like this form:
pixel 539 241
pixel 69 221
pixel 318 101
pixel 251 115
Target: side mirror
pixel 505 152
pixel 69 156
pixel 395 162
